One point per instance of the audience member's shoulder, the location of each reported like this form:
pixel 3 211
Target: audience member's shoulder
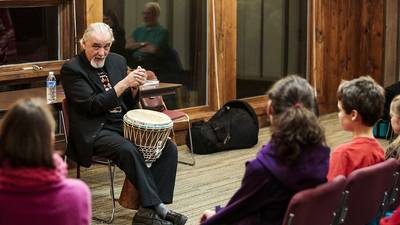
pixel 75 187
pixel 357 144
pixel 255 168
pixel 343 147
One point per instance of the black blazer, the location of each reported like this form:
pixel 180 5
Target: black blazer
pixel 88 102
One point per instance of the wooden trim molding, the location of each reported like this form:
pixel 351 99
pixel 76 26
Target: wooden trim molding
pixel 17 73
pixel 391 42
pixel 225 48
pixel 316 48
pixel 29 3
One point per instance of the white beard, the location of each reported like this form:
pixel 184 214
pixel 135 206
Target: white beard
pixel 97 64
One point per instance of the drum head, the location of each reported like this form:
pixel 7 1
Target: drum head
pixel 147 118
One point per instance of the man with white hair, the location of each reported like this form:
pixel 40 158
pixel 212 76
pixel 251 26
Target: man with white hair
pixel 99 92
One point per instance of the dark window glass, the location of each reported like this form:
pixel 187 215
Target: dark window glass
pixel 271 43
pixel 28 34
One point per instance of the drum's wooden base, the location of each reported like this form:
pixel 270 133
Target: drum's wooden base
pixel 129 197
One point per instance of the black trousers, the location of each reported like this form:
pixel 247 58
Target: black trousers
pixel 155 184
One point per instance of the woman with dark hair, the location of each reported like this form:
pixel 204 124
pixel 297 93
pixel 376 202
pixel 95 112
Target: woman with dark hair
pixel 33 184
pixel 295 158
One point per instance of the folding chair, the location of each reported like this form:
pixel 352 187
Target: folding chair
pixel 95 159
pixel 315 205
pixel 157 103
pixel 368 193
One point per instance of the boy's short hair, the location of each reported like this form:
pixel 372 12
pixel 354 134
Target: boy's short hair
pixel 363 95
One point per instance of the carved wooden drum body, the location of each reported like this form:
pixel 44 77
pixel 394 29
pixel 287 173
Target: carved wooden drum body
pixel 149 130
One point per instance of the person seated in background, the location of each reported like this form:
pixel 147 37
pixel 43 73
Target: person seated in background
pixel 360 103
pixel 390 92
pixel 99 93
pixel 118 45
pixel 33 184
pixel 393 151
pixel 148 43
pixel 295 158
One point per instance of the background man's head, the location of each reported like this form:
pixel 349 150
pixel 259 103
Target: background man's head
pixel 151 13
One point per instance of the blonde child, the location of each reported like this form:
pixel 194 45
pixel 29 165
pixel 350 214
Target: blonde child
pixel 393 151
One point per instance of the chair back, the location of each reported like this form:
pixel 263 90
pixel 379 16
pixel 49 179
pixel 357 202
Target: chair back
pixel 316 205
pixel 368 190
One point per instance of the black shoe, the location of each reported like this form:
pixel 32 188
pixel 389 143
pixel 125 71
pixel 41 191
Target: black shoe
pixel 176 218
pixel 145 216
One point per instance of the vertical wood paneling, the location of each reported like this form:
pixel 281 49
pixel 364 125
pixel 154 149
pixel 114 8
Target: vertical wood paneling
pixel 228 53
pixel 81 15
pixel 67 26
pixel 391 45
pixel 347 41
pixel 372 24
pixel 317 47
pixel 94 11
pixel 225 27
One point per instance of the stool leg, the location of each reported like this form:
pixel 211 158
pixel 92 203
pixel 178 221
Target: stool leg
pixel 193 162
pixel 111 173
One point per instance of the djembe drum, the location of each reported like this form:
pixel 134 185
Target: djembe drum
pixel 149 130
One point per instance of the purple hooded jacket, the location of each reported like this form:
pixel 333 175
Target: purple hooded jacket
pixel 268 186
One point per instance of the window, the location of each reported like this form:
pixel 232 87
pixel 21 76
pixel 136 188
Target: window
pixel 28 34
pixel 271 43
pixel 179 36
pixel 35 38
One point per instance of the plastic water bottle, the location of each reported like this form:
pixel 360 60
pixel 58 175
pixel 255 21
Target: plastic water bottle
pixel 51 85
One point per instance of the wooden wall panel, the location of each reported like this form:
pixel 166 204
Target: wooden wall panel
pixel 372 41
pixel 346 42
pixel 316 48
pixel 228 52
pixel 94 11
pixel 391 44
pixel 222 68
